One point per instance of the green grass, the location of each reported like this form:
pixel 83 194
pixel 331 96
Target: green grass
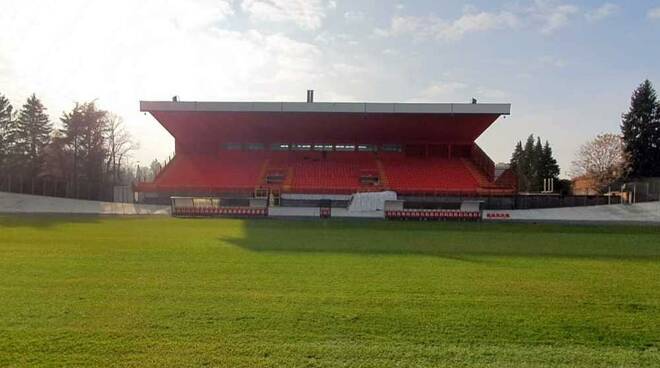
pixel 158 292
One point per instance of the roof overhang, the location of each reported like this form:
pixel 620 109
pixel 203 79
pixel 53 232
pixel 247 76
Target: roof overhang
pixel 210 123
pixel 328 107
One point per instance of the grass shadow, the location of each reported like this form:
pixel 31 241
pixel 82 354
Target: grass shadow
pixel 45 221
pixel 458 241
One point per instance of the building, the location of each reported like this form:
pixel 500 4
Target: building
pixel 584 185
pixel 237 149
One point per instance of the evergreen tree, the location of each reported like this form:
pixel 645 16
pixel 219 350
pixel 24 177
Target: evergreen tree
pixel 6 127
pixel 517 155
pixel 528 166
pixel 32 135
pixel 533 163
pixel 84 131
pixel 537 166
pixel 548 167
pixel 641 132
pixel 517 162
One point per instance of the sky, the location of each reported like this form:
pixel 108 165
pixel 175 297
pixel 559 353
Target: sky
pixel 567 67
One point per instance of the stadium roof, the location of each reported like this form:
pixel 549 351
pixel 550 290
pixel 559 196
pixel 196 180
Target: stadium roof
pixel 328 107
pixel 195 123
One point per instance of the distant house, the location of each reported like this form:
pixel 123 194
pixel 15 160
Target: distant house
pixel 584 185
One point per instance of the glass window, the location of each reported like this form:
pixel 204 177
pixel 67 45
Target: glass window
pixel 301 147
pixel 254 146
pixel 366 148
pixel 232 146
pixel 279 147
pixel 344 147
pixel 322 147
pixel 391 148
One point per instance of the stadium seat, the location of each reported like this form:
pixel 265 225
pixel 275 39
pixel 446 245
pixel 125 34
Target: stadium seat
pixel 415 174
pixel 319 172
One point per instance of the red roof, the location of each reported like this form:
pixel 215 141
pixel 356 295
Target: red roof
pixel 316 127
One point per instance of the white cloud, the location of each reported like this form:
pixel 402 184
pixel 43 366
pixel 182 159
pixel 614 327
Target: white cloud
pixel 654 13
pixel 433 27
pixel 604 11
pixel 551 61
pixel 547 15
pixel 354 16
pixel 455 91
pixel 335 39
pixel 445 91
pixel 551 15
pixel 390 52
pixel 123 51
pixel 491 94
pixel 305 14
pixel 481 21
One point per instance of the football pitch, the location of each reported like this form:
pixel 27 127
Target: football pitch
pixel 157 292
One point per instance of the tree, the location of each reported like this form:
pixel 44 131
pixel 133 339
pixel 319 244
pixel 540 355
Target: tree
pixel 57 161
pixel 6 127
pixel 641 132
pixel 31 136
pixel 84 129
pixel 119 145
pixel 527 173
pixel 537 166
pixel 548 167
pixel 532 163
pixel 154 168
pixel 601 159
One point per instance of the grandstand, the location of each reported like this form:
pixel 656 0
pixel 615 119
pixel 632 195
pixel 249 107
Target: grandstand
pixel 237 149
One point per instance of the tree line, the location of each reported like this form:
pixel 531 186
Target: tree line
pixel 606 159
pixel 89 149
pixel 533 163
pixel 631 155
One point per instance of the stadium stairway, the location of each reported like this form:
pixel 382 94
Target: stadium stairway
pixel 478 175
pixel 381 174
pixel 264 171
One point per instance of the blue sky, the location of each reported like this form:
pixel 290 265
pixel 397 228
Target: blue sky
pixel 568 67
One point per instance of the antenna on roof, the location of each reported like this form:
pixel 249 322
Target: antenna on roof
pixel 310 96
pixel 175 98
pixel 474 101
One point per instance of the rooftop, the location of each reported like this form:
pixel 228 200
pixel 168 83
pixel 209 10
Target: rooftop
pixel 328 107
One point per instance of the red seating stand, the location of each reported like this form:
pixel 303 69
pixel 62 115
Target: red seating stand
pixel 433 215
pixel 219 212
pixel 498 216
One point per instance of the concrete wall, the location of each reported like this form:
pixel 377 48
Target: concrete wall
pixel 640 212
pixel 25 203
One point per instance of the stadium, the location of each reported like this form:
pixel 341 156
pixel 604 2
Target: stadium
pixel 464 185
pixel 217 263
pixel 322 154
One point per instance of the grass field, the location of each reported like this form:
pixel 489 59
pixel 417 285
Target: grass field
pixel 171 292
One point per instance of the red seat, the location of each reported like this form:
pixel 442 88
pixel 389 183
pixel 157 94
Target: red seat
pixel 314 172
pixel 407 174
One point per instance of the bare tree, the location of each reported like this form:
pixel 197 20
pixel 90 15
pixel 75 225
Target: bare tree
pixel 119 146
pixel 155 167
pixel 602 160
